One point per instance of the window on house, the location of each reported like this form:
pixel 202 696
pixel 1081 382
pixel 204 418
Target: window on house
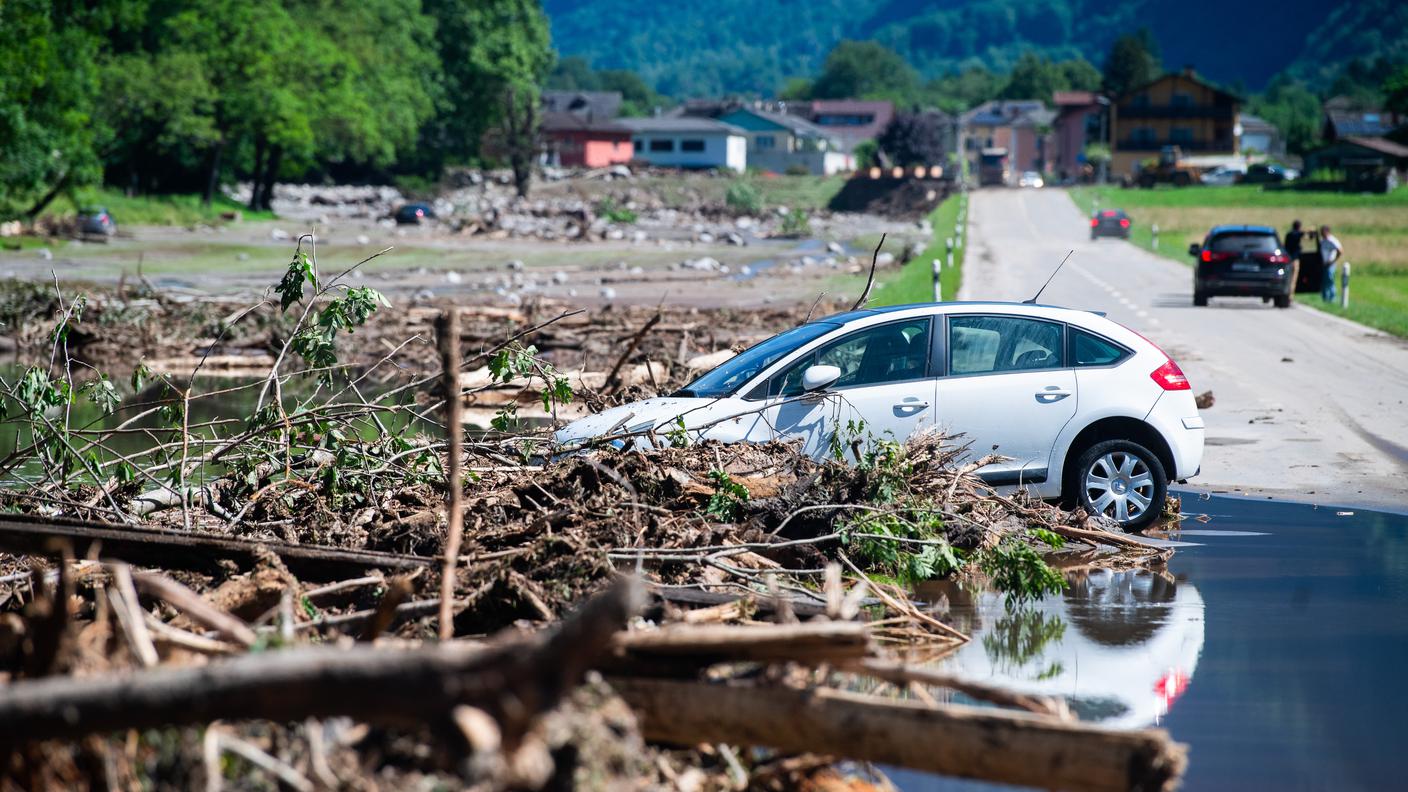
pixel 1180 135
pixel 1143 135
pixel 664 145
pixel 765 142
pixel 1182 100
pixel 1141 100
pixel 691 145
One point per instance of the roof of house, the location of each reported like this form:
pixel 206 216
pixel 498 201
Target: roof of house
pixel 797 125
pixel 841 106
pixel 1252 123
pixel 1074 98
pixel 593 104
pixel 679 124
pixel 573 122
pixel 1003 112
pixel 1381 145
pixel 1350 120
pixel 1186 74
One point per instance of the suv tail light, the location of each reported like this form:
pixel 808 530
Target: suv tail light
pixel 1094 222
pixel 1124 223
pixel 1209 257
pixel 1170 376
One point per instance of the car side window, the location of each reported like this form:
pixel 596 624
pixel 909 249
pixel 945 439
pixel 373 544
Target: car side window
pixel 892 352
pixel 1092 350
pixel 995 344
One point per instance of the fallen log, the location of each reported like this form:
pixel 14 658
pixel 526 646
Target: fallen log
pixel 813 643
pixel 968 742
pixel 512 680
pixel 156 547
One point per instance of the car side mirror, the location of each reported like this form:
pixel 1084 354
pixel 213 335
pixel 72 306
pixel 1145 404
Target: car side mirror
pixel 819 377
pixel 1194 249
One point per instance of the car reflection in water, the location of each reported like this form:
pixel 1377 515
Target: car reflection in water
pixel 1119 647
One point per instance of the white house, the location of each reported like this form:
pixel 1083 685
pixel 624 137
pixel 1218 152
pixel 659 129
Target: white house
pixel 785 143
pixel 686 142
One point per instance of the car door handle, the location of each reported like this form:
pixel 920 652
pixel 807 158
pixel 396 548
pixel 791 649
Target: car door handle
pixel 1051 395
pixel 911 406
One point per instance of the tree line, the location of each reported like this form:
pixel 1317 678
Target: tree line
pixel 184 95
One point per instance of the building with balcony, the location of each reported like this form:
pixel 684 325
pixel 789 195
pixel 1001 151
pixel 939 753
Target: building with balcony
pixel 1177 109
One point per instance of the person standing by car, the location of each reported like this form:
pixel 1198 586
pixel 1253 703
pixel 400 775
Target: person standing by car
pixel 1330 252
pixel 1294 240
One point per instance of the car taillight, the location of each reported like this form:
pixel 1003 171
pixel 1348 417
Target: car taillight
pixel 1124 224
pixel 1094 222
pixel 1170 376
pixel 1210 257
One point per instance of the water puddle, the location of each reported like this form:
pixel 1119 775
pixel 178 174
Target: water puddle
pixel 1273 647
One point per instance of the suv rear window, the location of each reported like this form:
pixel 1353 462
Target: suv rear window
pixel 1245 243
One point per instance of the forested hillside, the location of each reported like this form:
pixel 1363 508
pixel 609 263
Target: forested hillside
pixel 757 45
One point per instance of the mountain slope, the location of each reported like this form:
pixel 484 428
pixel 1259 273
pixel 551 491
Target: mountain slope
pixel 755 45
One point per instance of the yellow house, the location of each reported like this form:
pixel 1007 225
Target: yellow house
pixel 1178 109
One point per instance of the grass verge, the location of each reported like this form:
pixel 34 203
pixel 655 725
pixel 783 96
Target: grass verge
pixel 915 281
pixel 1373 229
pixel 173 210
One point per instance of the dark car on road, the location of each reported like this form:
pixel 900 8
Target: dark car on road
pixel 1267 173
pixel 1110 223
pixel 1242 261
pixel 414 214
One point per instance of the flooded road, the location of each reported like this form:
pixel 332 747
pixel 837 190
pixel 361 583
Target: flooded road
pixel 1275 648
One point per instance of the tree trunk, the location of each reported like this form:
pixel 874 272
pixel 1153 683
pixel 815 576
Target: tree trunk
pixel 521 138
pixel 271 174
pixel 968 742
pixel 47 198
pixel 212 181
pixel 256 179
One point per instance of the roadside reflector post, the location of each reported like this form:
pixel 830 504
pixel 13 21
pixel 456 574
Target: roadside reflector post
pixel 1344 287
pixel 949 245
pixel 1154 230
pixel 938 284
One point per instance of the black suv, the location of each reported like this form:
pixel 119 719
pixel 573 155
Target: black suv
pixel 1109 222
pixel 1242 261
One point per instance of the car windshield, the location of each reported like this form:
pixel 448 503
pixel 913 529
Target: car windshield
pixel 741 368
pixel 1245 243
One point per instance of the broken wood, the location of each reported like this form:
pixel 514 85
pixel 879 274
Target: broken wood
pixel 512 680
pixel 447 329
pixel 24 534
pixel 986 744
pixel 196 607
pixel 812 643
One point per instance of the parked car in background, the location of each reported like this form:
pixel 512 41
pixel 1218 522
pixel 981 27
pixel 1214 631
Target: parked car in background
pixel 1268 173
pixel 414 214
pixel 1222 176
pixel 96 221
pixel 1110 223
pixel 1242 261
pixel 1081 408
pixel 1031 179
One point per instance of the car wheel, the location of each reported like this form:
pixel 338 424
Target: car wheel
pixel 1200 299
pixel 1123 481
pixel 1283 301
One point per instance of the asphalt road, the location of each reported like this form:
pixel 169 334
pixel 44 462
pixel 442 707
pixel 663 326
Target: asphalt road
pixel 1308 406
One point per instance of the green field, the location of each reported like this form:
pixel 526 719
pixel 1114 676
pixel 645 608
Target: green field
pixel 1372 228
pixel 915 281
pixel 176 210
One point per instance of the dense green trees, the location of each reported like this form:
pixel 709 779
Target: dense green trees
pixel 182 95
pixel 1133 61
pixel 576 74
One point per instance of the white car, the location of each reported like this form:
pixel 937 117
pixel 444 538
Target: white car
pixel 1222 176
pixel 1082 408
pixel 1031 179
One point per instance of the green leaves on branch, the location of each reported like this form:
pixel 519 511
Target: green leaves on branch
pixel 729 498
pixel 1019 571
pixel 908 550
pixel 516 361
pixel 316 343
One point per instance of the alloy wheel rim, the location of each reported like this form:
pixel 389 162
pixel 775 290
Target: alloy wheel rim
pixel 1119 485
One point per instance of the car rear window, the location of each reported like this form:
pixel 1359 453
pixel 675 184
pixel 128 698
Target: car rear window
pixel 1245 243
pixel 1109 213
pixel 1092 350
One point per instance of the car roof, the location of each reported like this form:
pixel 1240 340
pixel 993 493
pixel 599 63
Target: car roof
pixel 1242 229
pixel 851 316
